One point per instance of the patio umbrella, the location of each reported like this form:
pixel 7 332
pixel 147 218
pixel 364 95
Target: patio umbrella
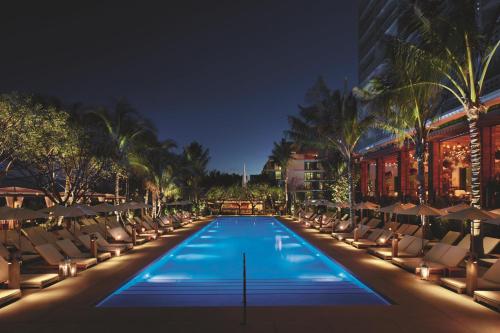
pixel 20 214
pixel 366 205
pixel 456 208
pixel 396 208
pixel 495 211
pixel 495 221
pixel 70 212
pixel 422 210
pixel 103 208
pixel 472 214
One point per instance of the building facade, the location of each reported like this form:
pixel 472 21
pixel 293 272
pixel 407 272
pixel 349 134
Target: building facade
pixel 389 170
pixel 306 176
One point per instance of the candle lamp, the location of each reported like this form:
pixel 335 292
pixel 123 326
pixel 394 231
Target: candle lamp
pixel 424 272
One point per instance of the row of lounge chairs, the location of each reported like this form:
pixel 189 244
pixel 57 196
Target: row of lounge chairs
pixel 42 251
pixel 444 259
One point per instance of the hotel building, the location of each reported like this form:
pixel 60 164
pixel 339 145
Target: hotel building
pixel 388 170
pixel 306 176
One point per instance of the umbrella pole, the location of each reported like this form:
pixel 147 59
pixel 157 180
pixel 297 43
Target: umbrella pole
pixel 19 222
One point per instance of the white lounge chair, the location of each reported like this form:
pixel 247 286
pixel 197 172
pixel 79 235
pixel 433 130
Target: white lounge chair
pixel 489 281
pixel 72 251
pixel 53 257
pixel 29 280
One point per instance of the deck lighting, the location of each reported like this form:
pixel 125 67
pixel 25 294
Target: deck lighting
pixel 73 269
pixel 64 268
pixel 424 272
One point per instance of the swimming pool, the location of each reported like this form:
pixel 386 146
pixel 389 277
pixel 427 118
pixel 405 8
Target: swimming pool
pixel 207 268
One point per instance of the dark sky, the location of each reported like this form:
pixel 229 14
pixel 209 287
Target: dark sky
pixel 224 73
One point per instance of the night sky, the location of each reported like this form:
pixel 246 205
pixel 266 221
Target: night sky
pixel 224 73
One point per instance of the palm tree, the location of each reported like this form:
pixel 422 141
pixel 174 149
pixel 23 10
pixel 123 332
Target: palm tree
pixel 403 108
pixel 460 48
pixel 281 155
pixel 124 129
pixel 194 161
pixel 334 123
pixel 160 177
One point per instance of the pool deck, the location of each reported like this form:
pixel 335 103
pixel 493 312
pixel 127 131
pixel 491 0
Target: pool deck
pixel 419 306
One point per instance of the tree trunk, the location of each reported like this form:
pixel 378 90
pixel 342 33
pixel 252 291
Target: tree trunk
pixel 117 188
pixel 420 156
pixel 475 158
pixel 286 193
pixel 351 190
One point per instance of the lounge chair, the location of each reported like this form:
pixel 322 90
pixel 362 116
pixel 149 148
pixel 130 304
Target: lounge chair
pixel 373 223
pixel 450 238
pixel 386 253
pixel 375 238
pixel 34 236
pixel 9 295
pixel 343 230
pixel 363 232
pixel 53 257
pixel 489 281
pixel 105 246
pixel 489 243
pixel 29 280
pixel 440 259
pixel 69 249
pixel 489 297
pixel 393 226
pixel 409 229
pixel 25 257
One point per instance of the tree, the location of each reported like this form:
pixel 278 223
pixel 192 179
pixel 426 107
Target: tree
pixel 194 162
pixel 54 152
pixel 160 178
pixel 332 123
pixel 124 129
pixel 218 195
pixel 404 109
pixel 281 155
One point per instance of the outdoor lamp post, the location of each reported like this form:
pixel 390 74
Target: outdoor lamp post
pixel 15 271
pixel 394 247
pixel 93 245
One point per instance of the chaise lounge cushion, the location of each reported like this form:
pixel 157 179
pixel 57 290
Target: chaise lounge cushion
pixel 8 295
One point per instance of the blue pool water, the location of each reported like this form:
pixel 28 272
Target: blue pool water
pixel 206 270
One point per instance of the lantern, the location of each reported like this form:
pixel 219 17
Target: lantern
pixel 424 272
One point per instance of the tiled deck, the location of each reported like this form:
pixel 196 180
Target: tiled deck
pixel 419 306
